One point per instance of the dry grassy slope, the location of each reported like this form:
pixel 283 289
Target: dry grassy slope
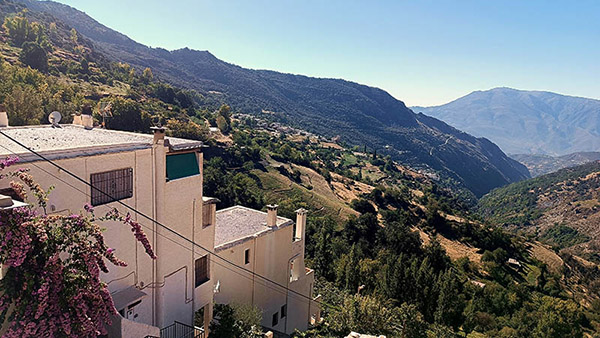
pixel 333 199
pixel 320 199
pixel 565 206
pixel 342 190
pixel 543 253
pixel 347 189
pixel 454 249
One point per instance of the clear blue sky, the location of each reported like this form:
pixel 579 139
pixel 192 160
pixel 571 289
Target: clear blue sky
pixel 422 52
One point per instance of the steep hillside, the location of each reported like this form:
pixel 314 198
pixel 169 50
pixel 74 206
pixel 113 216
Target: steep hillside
pixel 425 264
pixel 561 208
pixel 46 66
pixel 360 115
pixel 375 223
pixel 525 122
pixel 545 164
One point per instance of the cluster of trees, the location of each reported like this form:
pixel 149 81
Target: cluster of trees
pixel 32 39
pixel 390 265
pixel 236 320
pixel 29 95
pixel 562 236
pixel 35 87
pixel 228 176
pixel 223 119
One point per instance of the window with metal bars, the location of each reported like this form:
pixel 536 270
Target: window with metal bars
pixel 201 271
pixel 111 186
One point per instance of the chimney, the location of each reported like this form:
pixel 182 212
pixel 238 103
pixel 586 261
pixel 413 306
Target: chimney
pixel 159 134
pixel 77 120
pixel 300 223
pixel 272 215
pixel 86 117
pixel 3 116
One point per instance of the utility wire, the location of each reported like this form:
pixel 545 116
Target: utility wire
pixel 150 229
pixel 283 292
pixel 158 223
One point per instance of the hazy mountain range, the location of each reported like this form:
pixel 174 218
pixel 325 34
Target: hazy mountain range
pixel 359 114
pixel 525 122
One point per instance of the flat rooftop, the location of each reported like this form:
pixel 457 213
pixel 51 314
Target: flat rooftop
pixel 238 224
pixel 72 140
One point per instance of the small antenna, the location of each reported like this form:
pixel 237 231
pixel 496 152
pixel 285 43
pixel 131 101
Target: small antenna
pixel 54 118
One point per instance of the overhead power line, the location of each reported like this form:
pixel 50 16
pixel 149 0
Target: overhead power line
pixel 161 235
pixel 143 215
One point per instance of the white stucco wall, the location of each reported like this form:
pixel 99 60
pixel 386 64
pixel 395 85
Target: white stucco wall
pixel 169 280
pixel 270 256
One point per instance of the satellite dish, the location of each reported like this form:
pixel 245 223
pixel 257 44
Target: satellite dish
pixel 54 118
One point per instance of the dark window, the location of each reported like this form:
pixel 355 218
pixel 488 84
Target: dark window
pixel 247 256
pixel 182 165
pixel 111 186
pixel 284 311
pixel 275 319
pixel 201 270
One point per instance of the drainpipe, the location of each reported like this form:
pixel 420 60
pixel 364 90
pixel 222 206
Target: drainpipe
pixel 193 251
pixel 253 269
pixel 154 233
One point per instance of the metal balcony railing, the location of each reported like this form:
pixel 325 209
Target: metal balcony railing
pixel 180 330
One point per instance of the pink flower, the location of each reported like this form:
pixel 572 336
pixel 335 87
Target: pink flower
pixel 88 207
pixel 8 161
pixel 56 262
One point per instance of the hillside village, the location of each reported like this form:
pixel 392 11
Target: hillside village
pixel 192 216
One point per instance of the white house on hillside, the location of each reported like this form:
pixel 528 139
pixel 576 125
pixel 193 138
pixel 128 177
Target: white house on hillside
pixel 274 277
pixel 162 178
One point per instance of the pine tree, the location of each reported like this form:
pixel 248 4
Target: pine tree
pixel 352 277
pixel 449 304
pixel 322 260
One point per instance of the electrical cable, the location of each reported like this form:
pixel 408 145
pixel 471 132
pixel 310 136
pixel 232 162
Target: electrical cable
pixel 211 252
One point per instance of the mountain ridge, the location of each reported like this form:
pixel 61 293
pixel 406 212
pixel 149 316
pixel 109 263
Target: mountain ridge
pixel 526 122
pixel 358 114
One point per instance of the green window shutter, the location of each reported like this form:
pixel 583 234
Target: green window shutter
pixel 182 165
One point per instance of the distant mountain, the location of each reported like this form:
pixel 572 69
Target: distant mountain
pixel 544 164
pixel 359 114
pixel 561 208
pixel 525 122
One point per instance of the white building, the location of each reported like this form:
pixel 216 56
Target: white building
pixel 162 178
pixel 269 250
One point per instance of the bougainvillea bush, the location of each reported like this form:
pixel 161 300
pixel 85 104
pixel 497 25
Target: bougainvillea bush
pixel 52 285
